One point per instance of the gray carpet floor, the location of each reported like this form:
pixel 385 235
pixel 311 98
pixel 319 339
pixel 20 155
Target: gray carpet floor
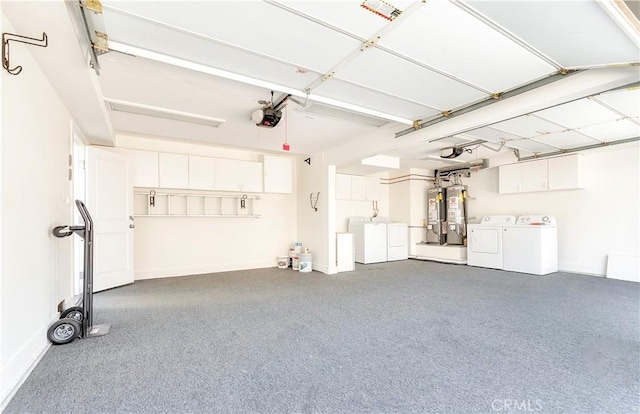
pixel 403 337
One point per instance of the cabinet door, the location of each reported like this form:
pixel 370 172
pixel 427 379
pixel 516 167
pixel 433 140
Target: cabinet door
pixel 509 178
pixel 202 173
pixel 343 187
pixel 374 188
pixel 235 175
pixel 358 187
pixel 145 168
pixel 278 174
pixel 173 170
pixel 251 177
pixel 534 176
pixel 564 173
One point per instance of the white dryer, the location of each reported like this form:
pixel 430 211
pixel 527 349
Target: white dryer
pixel 531 245
pixel 369 240
pixel 397 239
pixel 485 242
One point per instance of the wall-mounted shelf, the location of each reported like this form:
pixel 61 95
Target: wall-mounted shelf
pixel 166 204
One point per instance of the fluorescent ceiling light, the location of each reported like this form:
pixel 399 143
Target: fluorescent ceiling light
pixel 356 108
pixel 343 115
pixel 140 109
pixel 159 57
pixel 382 161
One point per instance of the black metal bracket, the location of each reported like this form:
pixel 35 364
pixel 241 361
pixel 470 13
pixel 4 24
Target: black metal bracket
pixel 11 37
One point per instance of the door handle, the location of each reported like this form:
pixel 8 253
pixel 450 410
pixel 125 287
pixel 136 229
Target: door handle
pixel 131 218
pixel 132 226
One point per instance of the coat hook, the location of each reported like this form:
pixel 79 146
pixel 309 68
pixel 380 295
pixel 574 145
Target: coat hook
pixel 314 201
pixel 44 42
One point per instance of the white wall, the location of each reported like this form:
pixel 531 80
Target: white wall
pixel 593 222
pixel 317 229
pixel 35 197
pixel 179 246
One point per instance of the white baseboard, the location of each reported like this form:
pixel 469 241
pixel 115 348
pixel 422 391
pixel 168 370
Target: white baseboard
pixel 582 268
pixel 20 366
pixel 162 273
pixel 230 267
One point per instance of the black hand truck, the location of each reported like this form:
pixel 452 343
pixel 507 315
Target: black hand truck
pixel 78 320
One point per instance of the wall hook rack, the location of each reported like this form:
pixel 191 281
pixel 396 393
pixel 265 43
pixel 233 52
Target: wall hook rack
pixel 314 201
pixel 9 37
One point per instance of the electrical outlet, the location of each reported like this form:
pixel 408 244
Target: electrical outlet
pixel 61 306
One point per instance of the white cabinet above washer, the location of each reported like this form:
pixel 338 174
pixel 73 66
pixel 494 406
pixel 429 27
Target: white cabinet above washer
pixel 561 173
pixel 358 187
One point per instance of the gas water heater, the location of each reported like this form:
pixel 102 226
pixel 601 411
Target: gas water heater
pixel 435 215
pixel 456 223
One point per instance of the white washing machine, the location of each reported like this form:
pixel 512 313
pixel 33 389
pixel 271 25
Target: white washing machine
pixel 485 241
pixel 369 240
pixel 530 245
pixel 397 239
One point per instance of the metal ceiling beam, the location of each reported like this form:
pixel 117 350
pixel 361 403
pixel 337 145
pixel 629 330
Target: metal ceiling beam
pixel 486 102
pixel 578 149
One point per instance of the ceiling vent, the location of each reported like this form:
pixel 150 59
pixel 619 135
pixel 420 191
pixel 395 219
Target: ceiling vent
pixel 156 112
pixel 342 115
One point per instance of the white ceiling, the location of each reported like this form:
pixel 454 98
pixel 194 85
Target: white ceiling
pixel 436 56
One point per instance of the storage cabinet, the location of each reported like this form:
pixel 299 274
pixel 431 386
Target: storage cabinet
pixel 565 173
pixel 278 174
pixel 202 173
pixel 534 176
pixel 357 187
pixel 343 187
pixel 562 173
pixel 236 175
pixel 509 178
pixel 145 168
pixel 168 170
pixel 173 170
pixel 374 188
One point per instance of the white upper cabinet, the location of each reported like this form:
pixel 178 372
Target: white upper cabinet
pixel 357 187
pixel 343 187
pixel 565 172
pixel 145 168
pixel 374 189
pixel 278 174
pixel 534 176
pixel 562 173
pixel 236 175
pixel 510 177
pixel 173 170
pixel 202 173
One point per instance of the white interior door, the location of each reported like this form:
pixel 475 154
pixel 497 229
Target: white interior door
pixel 110 203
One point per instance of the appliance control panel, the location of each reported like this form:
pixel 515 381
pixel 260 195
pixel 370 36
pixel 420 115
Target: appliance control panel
pixel 536 220
pixel 497 220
